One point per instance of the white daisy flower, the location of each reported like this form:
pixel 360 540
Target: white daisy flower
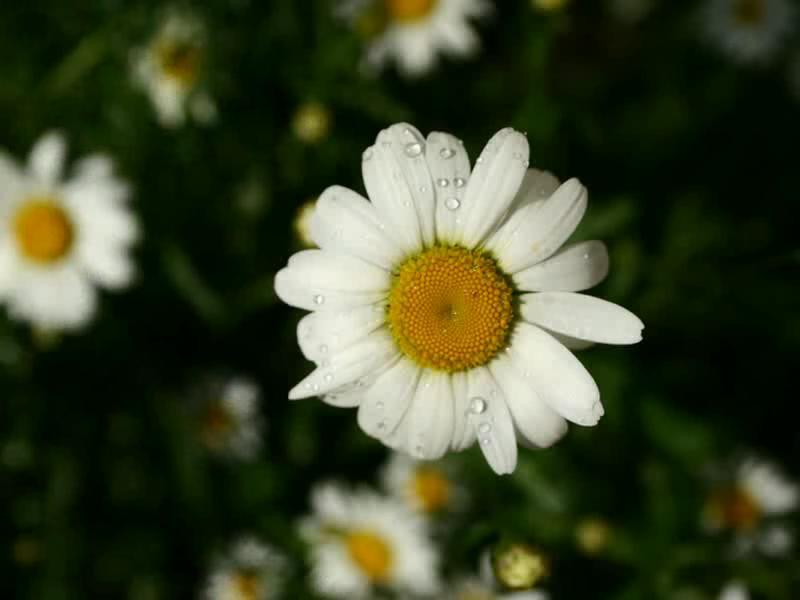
pixel 735 590
pixel 473 588
pixel 749 31
pixel 230 422
pixel 170 70
pixel 60 237
pixel 250 571
pixel 361 542
pixel 425 487
pixel 414 32
pixel 759 493
pixel 443 308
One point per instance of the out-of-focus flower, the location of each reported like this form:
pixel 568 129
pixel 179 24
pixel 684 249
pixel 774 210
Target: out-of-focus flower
pixel 250 571
pixel 749 505
pixel 592 535
pixel 60 237
pixel 302 223
pixel 518 566
pixel 311 122
pixel 425 487
pixel 444 309
pixel 749 31
pixel 229 419
pixel 735 590
pixel 549 5
pixel 413 32
pixel 361 541
pixel 473 588
pixel 171 68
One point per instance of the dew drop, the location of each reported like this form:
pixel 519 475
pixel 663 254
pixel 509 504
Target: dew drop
pixel 315 387
pixel 323 348
pixel 413 149
pixel 307 386
pixel 447 153
pixel 484 428
pixel 452 203
pixel 477 405
pixel 480 160
pixel 586 256
pixel 328 377
pixel 517 155
pixel 379 405
pixel 484 441
pixel 442 182
pixel 459 182
pixel 319 299
pixel 423 188
pixel 406 203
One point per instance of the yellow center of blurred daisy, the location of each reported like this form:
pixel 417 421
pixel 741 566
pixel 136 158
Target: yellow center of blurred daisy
pixel 750 12
pixel 180 61
pixel 409 10
pixel 450 309
pixel 247 586
pixel 371 553
pixel 431 488
pixel 734 508
pixel 43 230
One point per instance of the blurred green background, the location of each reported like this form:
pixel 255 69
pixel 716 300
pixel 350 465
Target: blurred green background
pixel 690 161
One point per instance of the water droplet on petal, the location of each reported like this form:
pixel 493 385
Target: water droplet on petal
pixel 447 153
pixel 442 182
pixel 480 160
pixel 484 428
pixel 452 203
pixel 413 149
pixel 586 256
pixel 484 441
pixel 315 387
pixel 319 299
pixel 323 348
pixel 459 182
pixel 379 405
pixel 477 405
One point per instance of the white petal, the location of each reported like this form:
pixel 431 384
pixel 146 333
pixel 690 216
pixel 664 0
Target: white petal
pixel 536 422
pixel 463 431
pixel 9 263
pixel 574 269
pixel 492 423
pixel 540 228
pixel 58 298
pixel 320 280
pixel 109 265
pixel 323 333
pixel 449 166
pixel 345 222
pixel 583 317
pixel 555 374
pixel 493 185
pixel 430 416
pixel 46 160
pixel 537 185
pixel 399 184
pixel 386 401
pixel 361 361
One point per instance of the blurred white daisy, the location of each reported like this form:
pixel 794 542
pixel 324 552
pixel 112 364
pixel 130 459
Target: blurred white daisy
pixel 749 31
pixel 230 423
pixel 443 308
pixel 250 571
pixel 735 590
pixel 302 223
pixel 413 32
pixel 749 505
pixel 426 487
pixel 170 69
pixel 473 588
pixel 361 542
pixel 61 236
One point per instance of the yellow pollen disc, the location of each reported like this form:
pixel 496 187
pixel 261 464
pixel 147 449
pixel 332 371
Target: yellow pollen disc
pixel 371 553
pixel 409 10
pixel 450 309
pixel 431 488
pixel 247 586
pixel 734 508
pixel 750 12
pixel 43 230
pixel 180 61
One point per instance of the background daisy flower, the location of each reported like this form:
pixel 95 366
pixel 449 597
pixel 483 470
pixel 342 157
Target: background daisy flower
pixel 361 542
pixel 424 486
pixel 250 570
pixel 61 236
pixel 229 418
pixel 170 69
pixel 442 307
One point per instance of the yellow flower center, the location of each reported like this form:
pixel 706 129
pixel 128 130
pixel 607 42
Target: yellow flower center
pixel 180 61
pixel 750 12
pixel 409 10
pixel 450 309
pixel 247 585
pixel 371 553
pixel 735 508
pixel 431 488
pixel 44 231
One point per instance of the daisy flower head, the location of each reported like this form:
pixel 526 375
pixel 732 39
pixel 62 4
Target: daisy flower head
pixel 749 31
pixel 425 487
pixel 749 505
pixel 362 542
pixel 250 571
pixel 413 32
pixel 61 236
pixel 229 419
pixel 443 307
pixel 170 69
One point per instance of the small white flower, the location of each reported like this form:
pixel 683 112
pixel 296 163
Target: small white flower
pixel 735 590
pixel 473 588
pixel 170 70
pixel 443 308
pixel 414 32
pixel 425 487
pixel 250 571
pixel 749 31
pixel 60 237
pixel 361 542
pixel 230 422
